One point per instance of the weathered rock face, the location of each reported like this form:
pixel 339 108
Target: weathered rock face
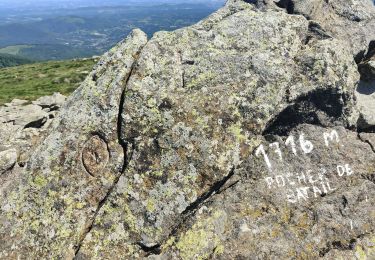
pixel 232 138
pixel 351 21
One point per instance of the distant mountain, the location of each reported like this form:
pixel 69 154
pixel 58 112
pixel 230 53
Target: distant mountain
pixel 68 33
pixel 24 4
pixel 8 60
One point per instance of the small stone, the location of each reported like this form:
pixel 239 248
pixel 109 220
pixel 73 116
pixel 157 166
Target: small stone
pixel 51 102
pixel 8 159
pixel 17 102
pixel 244 228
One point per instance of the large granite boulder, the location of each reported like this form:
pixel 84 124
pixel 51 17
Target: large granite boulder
pixel 235 138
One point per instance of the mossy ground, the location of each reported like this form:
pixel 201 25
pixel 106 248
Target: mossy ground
pixel 40 79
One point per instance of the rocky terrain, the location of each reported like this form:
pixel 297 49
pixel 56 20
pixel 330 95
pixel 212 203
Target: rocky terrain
pixel 24 125
pixel 249 135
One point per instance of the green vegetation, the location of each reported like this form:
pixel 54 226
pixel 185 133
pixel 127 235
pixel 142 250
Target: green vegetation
pixel 44 52
pixel 7 60
pixel 14 50
pixel 40 79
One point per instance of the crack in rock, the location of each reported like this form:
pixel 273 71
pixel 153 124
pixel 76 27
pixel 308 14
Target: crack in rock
pixel 339 245
pixel 150 250
pixel 217 188
pixel 127 158
pixel 367 142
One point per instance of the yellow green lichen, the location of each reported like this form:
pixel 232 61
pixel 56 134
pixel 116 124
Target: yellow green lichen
pixel 201 122
pixel 151 102
pixel 40 181
pixel 360 253
pixel 79 205
pixel 169 243
pixel 130 219
pixel 150 205
pixel 192 243
pixel 201 240
pixel 156 173
pixel 219 250
pixel 251 212
pixel 201 78
pixel 365 253
pixel 237 132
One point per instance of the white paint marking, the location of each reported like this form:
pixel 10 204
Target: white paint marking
pixel 261 150
pixel 331 137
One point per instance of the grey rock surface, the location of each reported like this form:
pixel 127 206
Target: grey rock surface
pixel 196 114
pixel 24 116
pixel 365 94
pixel 52 102
pixel 235 138
pixel 17 102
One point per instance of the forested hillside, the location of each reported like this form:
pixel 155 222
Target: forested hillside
pixel 8 60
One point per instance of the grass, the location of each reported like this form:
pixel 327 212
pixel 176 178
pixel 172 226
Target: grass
pixel 40 79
